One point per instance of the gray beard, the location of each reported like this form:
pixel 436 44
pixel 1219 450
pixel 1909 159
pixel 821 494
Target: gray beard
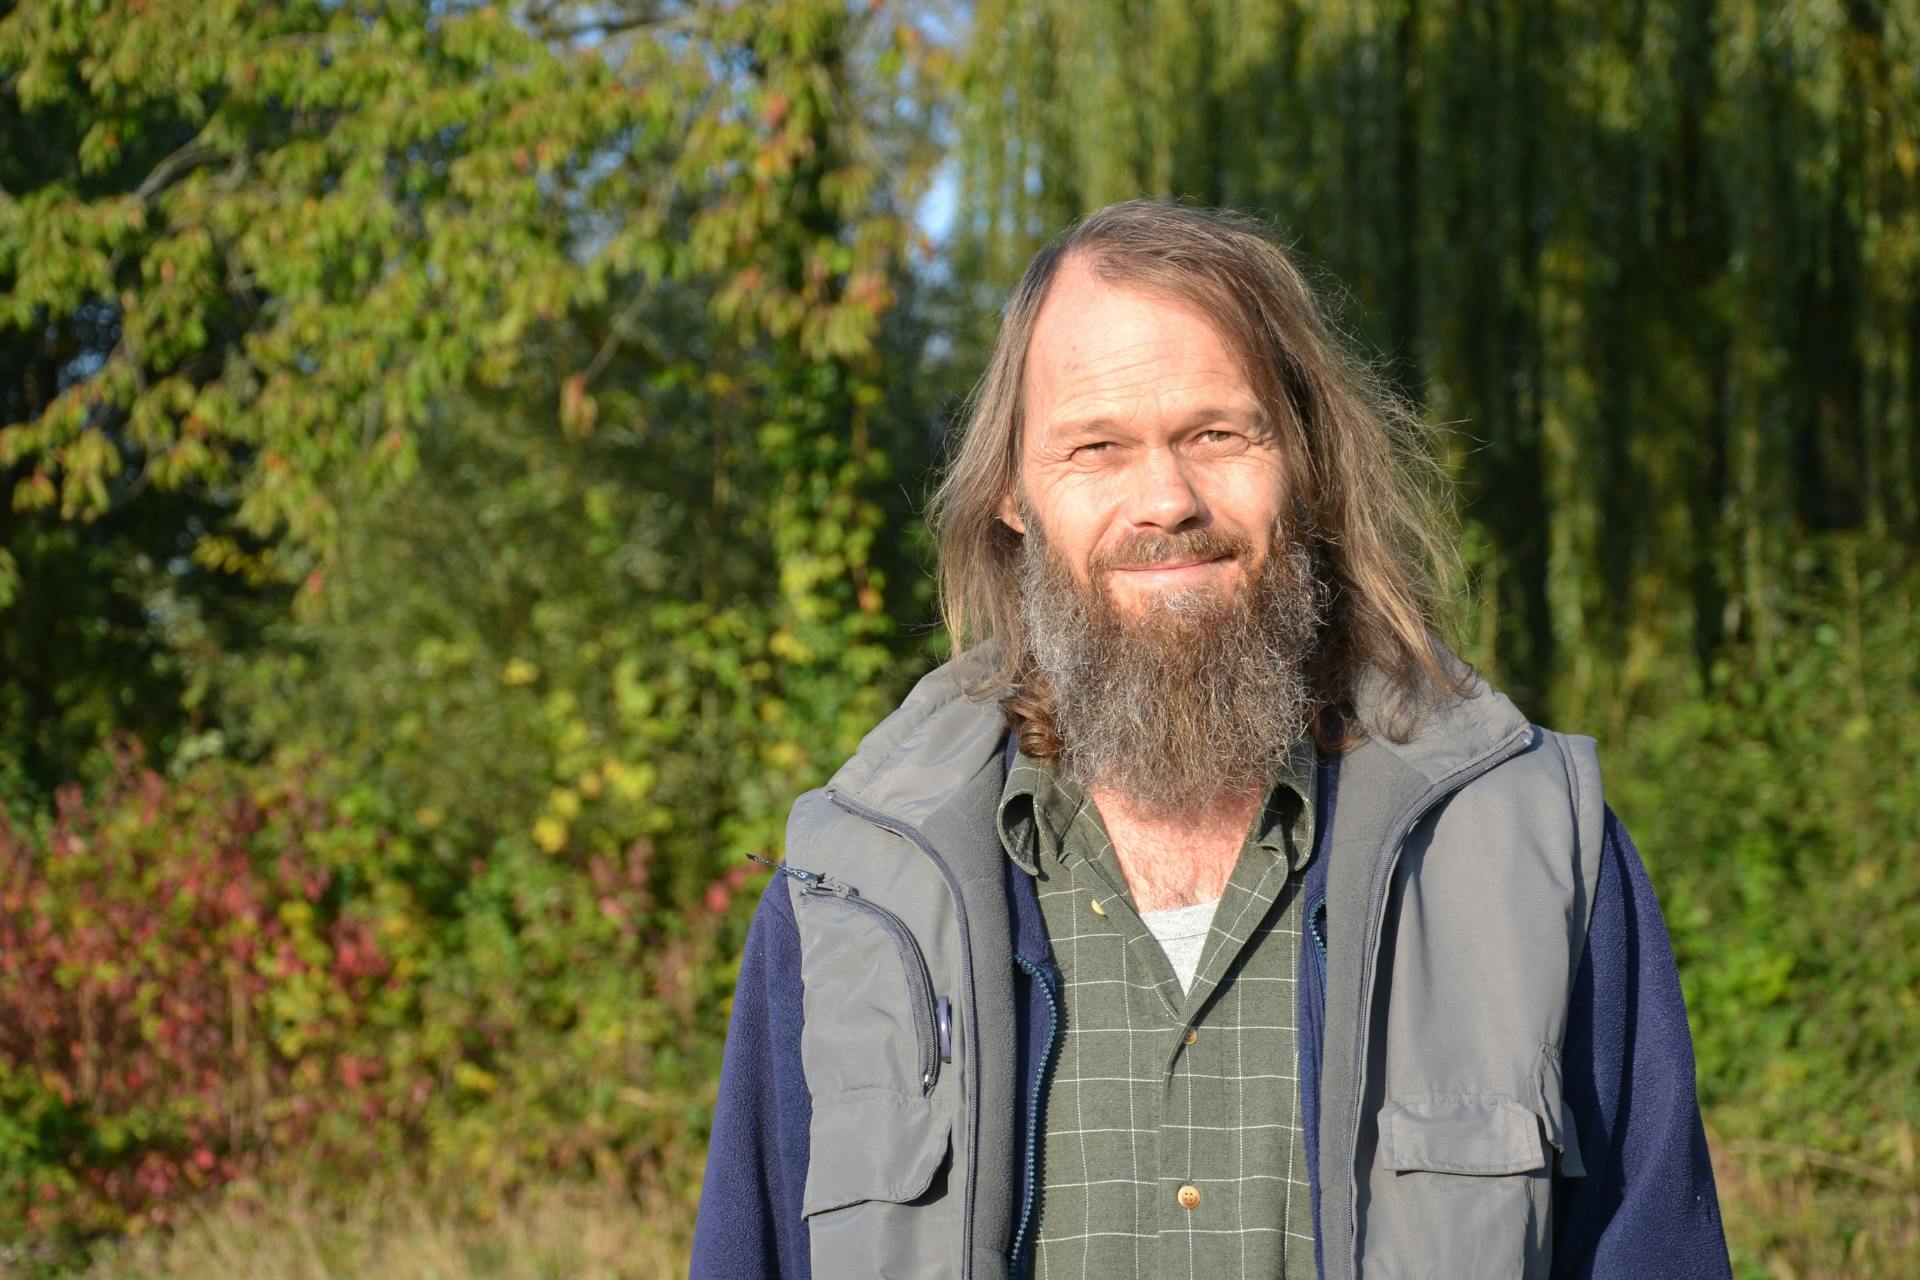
pixel 1202 695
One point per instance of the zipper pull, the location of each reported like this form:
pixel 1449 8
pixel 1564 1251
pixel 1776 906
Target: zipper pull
pixel 812 879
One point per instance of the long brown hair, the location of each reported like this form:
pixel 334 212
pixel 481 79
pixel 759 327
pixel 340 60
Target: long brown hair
pixel 1367 491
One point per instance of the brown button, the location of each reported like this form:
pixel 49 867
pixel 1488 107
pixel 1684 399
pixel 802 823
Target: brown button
pixel 1189 1197
pixel 1193 1033
pixel 1097 908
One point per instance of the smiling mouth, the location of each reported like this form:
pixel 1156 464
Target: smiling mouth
pixel 1170 565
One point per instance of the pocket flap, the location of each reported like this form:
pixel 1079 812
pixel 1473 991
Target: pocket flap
pixel 873 1144
pixel 1484 1133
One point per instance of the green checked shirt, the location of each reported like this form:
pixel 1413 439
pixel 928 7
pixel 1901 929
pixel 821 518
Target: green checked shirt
pixel 1172 1143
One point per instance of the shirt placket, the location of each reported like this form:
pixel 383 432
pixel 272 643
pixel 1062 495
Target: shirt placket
pixel 1192 1203
pixel 1193 1103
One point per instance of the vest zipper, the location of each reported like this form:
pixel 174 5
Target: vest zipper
pixel 912 962
pixel 1033 1111
pixel 1317 926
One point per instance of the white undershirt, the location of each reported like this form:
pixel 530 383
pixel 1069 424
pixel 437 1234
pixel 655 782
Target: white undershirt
pixel 1182 934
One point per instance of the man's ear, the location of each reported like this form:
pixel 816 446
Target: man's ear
pixel 1010 514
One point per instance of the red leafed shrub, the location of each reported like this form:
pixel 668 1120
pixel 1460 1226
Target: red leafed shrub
pixel 183 991
pixel 238 970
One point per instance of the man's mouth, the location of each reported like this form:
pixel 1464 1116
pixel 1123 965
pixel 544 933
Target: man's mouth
pixel 1169 566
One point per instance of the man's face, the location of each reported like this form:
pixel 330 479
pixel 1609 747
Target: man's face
pixel 1145 453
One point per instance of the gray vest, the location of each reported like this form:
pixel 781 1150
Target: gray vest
pixel 1460 880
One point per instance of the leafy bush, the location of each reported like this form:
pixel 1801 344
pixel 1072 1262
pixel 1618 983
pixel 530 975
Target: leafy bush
pixel 189 986
pixel 209 975
pixel 1779 810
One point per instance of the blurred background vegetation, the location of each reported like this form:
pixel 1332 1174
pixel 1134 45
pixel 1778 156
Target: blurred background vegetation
pixel 460 473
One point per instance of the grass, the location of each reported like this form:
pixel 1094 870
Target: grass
pixel 1791 1214
pixel 400 1233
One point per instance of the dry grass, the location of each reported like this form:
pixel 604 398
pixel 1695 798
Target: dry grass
pixel 395 1234
pixel 1793 1213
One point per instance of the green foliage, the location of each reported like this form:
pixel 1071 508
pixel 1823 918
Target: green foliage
pixel 210 978
pixel 522 373
pixel 196 975
pixel 1779 813
pixel 292 240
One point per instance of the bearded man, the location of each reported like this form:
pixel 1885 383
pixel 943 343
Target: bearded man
pixel 1204 916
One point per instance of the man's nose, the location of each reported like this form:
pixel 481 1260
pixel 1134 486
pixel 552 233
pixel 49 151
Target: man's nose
pixel 1163 492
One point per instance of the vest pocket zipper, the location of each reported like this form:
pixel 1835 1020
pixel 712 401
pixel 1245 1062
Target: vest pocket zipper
pixel 912 963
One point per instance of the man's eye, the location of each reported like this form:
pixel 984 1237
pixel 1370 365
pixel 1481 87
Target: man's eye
pixel 1094 447
pixel 1218 436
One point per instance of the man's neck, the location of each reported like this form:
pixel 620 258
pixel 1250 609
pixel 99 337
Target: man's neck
pixel 1175 860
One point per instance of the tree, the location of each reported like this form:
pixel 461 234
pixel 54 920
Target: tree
pixel 529 376
pixel 1656 263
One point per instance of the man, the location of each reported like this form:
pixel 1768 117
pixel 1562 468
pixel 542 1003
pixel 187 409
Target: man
pixel 1204 917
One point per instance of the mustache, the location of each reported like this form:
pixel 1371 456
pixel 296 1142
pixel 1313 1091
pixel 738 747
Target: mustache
pixel 1146 549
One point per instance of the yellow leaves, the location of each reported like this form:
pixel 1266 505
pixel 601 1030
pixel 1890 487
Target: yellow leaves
pixel 560 822
pixel 630 782
pixel 785 754
pixel 474 1079
pixel 550 833
pixel 552 829
pixel 785 645
pixel 223 554
pixel 33 492
pixel 86 461
pixel 564 802
pixel 519 671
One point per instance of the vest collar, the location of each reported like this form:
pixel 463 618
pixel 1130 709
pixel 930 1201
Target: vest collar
pixel 939 739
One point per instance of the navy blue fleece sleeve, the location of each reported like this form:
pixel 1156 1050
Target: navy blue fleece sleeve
pixel 749 1224
pixel 1646 1207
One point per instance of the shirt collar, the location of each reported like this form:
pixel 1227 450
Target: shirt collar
pixel 1040 800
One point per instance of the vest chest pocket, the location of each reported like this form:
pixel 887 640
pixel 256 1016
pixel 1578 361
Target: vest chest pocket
pixel 1466 1190
pixel 869 999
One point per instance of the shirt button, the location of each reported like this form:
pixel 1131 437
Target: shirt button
pixel 1193 1033
pixel 1189 1197
pixel 1097 908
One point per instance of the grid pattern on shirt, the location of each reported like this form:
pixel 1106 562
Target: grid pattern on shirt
pixel 1132 1112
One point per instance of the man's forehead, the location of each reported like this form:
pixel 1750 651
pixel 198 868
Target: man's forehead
pixel 1096 346
pixel 1084 312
